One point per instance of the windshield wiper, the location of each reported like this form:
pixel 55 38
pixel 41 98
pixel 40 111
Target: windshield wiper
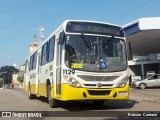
pixel 110 39
pixel 85 41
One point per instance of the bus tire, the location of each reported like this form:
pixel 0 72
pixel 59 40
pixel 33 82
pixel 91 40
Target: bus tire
pixel 53 103
pixel 30 95
pixel 98 102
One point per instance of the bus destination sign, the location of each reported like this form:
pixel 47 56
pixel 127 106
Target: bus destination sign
pixel 94 28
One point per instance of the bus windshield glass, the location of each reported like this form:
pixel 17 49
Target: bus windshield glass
pixel 95 53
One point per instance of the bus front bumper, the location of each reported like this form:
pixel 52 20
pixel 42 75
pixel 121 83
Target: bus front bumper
pixel 73 93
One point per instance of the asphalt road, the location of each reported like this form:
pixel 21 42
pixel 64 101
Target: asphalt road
pixel 140 100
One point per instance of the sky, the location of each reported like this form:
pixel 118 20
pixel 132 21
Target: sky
pixel 20 19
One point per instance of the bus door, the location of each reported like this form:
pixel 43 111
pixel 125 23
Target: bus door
pixel 58 70
pixel 37 74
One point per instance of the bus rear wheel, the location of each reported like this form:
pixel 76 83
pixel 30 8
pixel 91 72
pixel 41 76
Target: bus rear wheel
pixel 98 102
pixel 52 102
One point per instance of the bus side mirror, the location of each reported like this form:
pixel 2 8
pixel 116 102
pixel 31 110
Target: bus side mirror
pixel 61 38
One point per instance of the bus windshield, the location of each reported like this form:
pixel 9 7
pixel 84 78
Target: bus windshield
pixel 95 53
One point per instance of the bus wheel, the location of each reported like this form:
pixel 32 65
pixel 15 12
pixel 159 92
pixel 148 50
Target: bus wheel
pixel 98 102
pixel 52 102
pixel 30 95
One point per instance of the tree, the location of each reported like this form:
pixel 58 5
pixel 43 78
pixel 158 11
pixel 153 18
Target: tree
pixel 1 82
pixel 8 76
pixel 20 77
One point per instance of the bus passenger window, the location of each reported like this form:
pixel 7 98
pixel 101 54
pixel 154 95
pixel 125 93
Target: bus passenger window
pixel 51 50
pixel 44 54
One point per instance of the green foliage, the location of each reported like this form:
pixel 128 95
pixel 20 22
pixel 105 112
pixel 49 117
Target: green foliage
pixel 20 78
pixel 8 76
pixel 1 82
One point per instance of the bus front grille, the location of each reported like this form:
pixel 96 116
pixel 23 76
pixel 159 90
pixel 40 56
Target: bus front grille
pixel 99 92
pixel 103 85
pixel 97 78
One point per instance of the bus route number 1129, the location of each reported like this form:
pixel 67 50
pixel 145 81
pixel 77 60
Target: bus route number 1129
pixel 68 71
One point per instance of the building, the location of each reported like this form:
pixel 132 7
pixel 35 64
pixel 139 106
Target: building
pixel 143 39
pixel 15 77
pixel 33 45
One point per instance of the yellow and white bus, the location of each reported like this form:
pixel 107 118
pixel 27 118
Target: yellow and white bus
pixel 80 60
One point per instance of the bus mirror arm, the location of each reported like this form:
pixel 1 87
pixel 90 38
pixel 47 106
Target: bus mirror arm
pixel 61 38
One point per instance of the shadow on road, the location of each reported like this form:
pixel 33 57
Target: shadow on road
pixel 87 109
pixel 88 105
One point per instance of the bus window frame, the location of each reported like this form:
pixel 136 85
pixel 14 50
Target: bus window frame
pixel 42 54
pixel 33 61
pixel 51 49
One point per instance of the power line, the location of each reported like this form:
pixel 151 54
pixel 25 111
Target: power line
pixel 133 11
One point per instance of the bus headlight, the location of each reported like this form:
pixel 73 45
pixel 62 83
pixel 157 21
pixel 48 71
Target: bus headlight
pixel 72 82
pixel 123 82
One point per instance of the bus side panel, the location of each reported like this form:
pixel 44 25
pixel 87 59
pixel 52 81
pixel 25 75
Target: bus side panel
pixel 26 76
pixel 25 83
pixel 33 88
pixel 42 90
pixel 43 75
pixel 46 73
